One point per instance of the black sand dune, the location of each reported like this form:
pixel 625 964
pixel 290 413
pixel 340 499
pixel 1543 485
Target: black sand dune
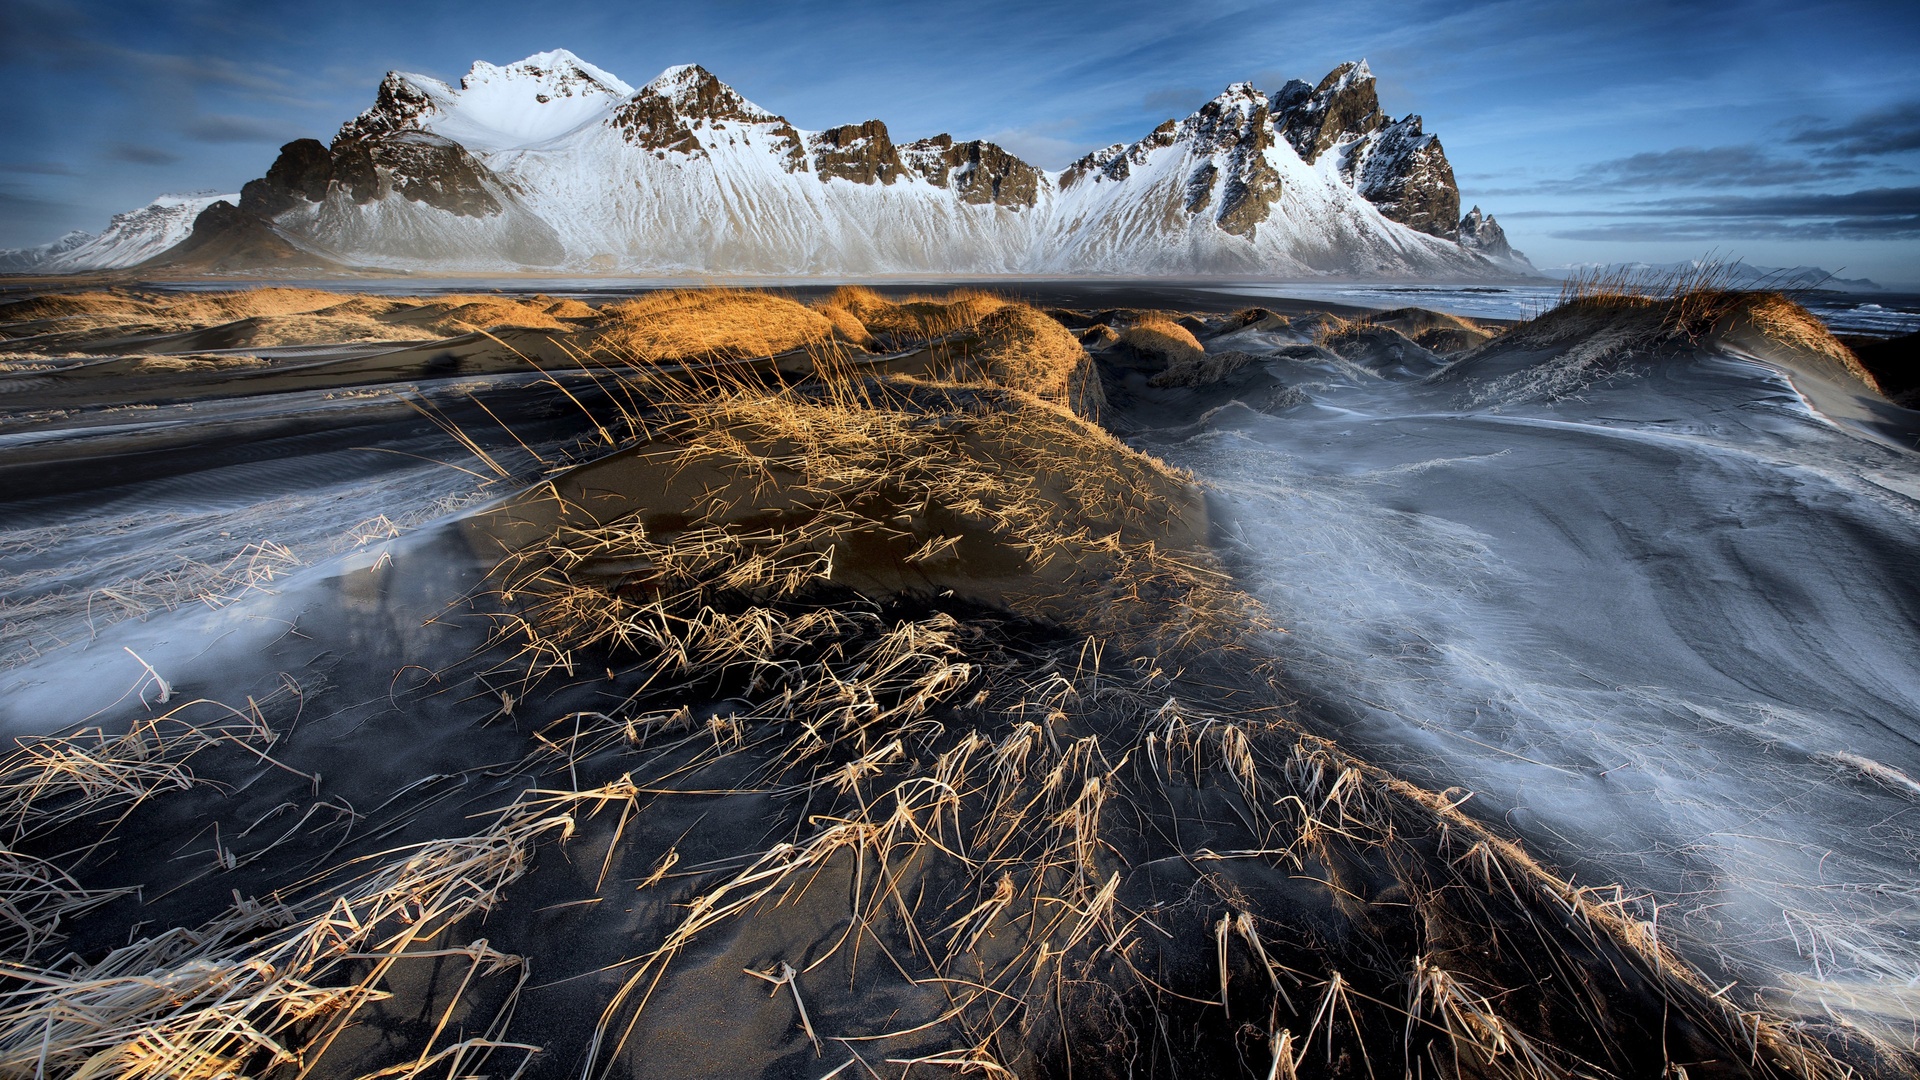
pixel 848 714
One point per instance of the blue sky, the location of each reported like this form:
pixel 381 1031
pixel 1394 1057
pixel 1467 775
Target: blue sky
pixel 1785 133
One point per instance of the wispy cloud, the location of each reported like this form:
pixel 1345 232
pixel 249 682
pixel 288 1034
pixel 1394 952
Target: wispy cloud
pixel 140 154
pixel 1740 166
pixel 1869 214
pixel 38 168
pixel 1892 130
pixel 234 129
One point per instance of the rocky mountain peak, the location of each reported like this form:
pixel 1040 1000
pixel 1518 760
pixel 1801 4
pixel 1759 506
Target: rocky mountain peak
pixel 695 93
pixel 862 153
pixel 1233 178
pixel 1395 165
pixel 683 104
pixel 1237 114
pixel 979 172
pixel 544 162
pixel 399 104
pixel 1480 232
pixel 559 73
pixel 1344 106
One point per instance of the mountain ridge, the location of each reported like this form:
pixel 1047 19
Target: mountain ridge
pixel 551 164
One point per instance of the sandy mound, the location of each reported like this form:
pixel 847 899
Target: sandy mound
pixel 1434 331
pixel 70 304
pixel 915 319
pixel 1022 349
pixel 711 324
pixel 1157 336
pixel 1596 334
pixel 214 308
pixel 259 318
pixel 571 309
pixel 1378 348
pixel 922 708
pixel 371 307
pixel 1174 356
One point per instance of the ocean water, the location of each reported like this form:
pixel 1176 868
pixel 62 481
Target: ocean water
pixel 1881 314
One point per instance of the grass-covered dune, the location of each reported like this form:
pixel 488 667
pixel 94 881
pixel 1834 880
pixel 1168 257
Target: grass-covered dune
pixel 850 704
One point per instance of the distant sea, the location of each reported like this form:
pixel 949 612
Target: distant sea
pixel 1884 314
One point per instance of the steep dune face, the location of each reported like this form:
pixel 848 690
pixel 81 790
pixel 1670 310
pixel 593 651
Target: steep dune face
pixel 1636 574
pixel 552 162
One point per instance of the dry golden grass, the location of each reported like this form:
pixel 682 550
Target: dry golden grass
pixel 488 314
pixel 1157 335
pixel 571 309
pixel 994 777
pixel 67 305
pixel 711 324
pixel 214 308
pixel 1023 349
pixel 915 319
pixel 1689 306
pixel 1334 328
pixel 847 326
pixel 268 317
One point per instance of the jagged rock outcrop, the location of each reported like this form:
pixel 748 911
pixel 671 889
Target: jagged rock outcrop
pixel 226 238
pixel 862 153
pixel 1344 107
pixel 552 162
pixel 1405 173
pixel 415 165
pixel 1483 234
pixel 1392 164
pixel 1234 131
pixel 978 171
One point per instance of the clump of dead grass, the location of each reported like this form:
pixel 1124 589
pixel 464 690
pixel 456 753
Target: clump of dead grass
pixel 1158 336
pixel 711 324
pixel 847 326
pixel 915 319
pixel 571 309
pixel 1022 349
pixel 1334 329
pixel 1688 307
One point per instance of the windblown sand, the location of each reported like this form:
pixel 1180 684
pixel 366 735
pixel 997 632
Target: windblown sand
pixel 844 700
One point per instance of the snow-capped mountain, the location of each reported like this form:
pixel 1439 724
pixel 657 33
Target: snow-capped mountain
pixel 130 238
pixel 554 164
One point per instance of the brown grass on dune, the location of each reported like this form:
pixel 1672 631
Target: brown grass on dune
pixel 915 319
pixel 361 306
pixel 1155 336
pixel 1334 328
pixel 219 307
pixel 909 660
pixel 711 324
pixel 267 317
pixel 1689 307
pixel 1158 335
pixel 488 314
pixel 1023 349
pixel 66 305
pixel 571 309
pixel 1076 854
pixel 847 326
